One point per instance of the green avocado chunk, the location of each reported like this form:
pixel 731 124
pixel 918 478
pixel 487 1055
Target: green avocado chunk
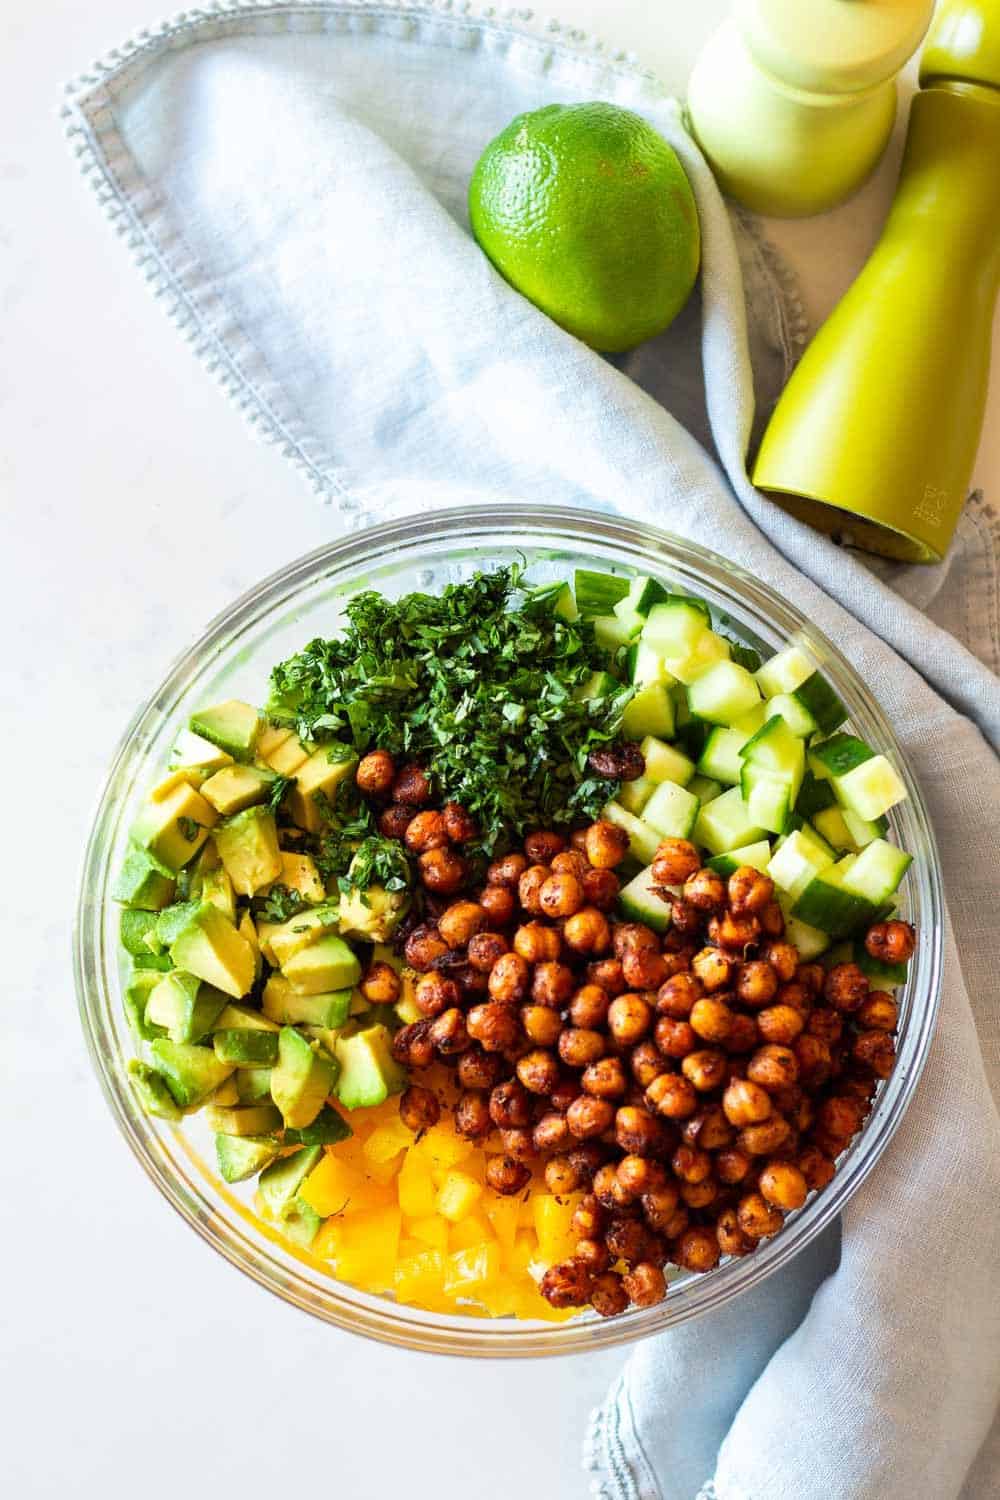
pixel 253 1084
pixel 234 726
pixel 236 787
pixel 284 1005
pixel 132 929
pixel 373 914
pixel 172 830
pixel 368 1071
pixel 300 1222
pixel 247 1049
pixel 248 847
pixel 280 1182
pixel 191 1073
pixel 243 1120
pixel 135 996
pixel 327 1129
pixel 141 884
pixel 210 947
pixel 184 1006
pixel 240 1157
pixel 326 965
pixel 152 1091
pixel 301 1079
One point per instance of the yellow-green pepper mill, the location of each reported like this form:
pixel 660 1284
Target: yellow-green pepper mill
pixel 876 433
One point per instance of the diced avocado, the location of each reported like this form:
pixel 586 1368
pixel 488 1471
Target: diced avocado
pixel 217 888
pixel 152 1091
pixel 299 931
pixel 252 1084
pixel 327 1129
pixel 280 1182
pixel 284 1005
pixel 226 1095
pixel 192 1073
pixel 240 1157
pixel 247 1049
pixel 159 962
pixel 244 1018
pixel 325 965
pixel 287 757
pixel 247 929
pixel 193 753
pixel 248 847
pixel 236 787
pixel 270 739
pixel 265 930
pixel 299 873
pixel 373 914
pixel 233 726
pixel 172 831
pixel 172 921
pixel 301 1079
pixel 186 1008
pixel 300 1223
pixel 135 993
pixel 368 1071
pixel 246 1119
pixel 210 947
pixel 317 774
pixel 133 927
pixel 141 884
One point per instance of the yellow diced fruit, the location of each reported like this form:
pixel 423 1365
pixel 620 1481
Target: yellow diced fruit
pixel 269 739
pixel 442 1147
pixel 420 1279
pixel 552 1217
pixel 299 873
pixel 329 1238
pixel 467 1270
pixel 504 1217
pixel 472 1230
pixel 458 1196
pixel 331 1185
pixel 386 1141
pixel 503 1295
pixel 415 1186
pixel 523 1252
pixel 432 1230
pixel 288 756
pixel 367 1255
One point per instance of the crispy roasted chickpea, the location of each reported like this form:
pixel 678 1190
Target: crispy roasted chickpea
pixel 485 949
pixel 519 1143
pixel 542 846
pixel 858 1083
pixel 538 1070
pixel 771 1135
pixel 600 889
pixel 589 1007
pixel 495 1027
pixel 441 870
pixel 660 1204
pixel 426 831
pixel 686 921
pixel 412 1046
pixel 376 773
pixel 472 1115
pixel 570 862
pixel 506 1176
pixel 449 1034
pixel 697 1250
pixel 536 943
pixel 507 870
pixel 733 933
pixel 846 987
pixel 477 1069
pixel 713 969
pixel 677 996
pixel 459 824
pixel 756 983
pixel 470 980
pixel 749 891
pixel 673 1096
pixel 744 1034
pixel 605 845
pixel 705 890
pixel 817 1169
pixel 560 896
pixel 565 1091
pixel 435 993
pixel 419 1108
pixel 756 1217
pixel 839 1119
pixel 551 1133
pixel 811 978
pixel 691 1164
pixel 711 1018
pixel 628 936
pixel 610 1192
pixel 594 1254
pixel 509 979
pixel 589 1218
pixel 783 958
pixel 587 931
pixel 781 1023
pixel 773 1066
pixel 675 861
pixel 879 1012
pixel 675 962
pixel 587 1156
pixel 499 904
pixel 644 968
pixel 395 820
pixel 381 985
pixel 745 1103
pixel 795 994
pixel 561 1177
pixel 588 1116
pixel 637 1132
pixel 608 1296
pixel 629 1019
pixel 732 1240
pixel 579 1047
pixel 705 1069
pixel 699 1194
pixel 412 786
pixel 645 1284
pixel 708 1129
pixel 607 974
pixel 461 922
pixel 529 888
pixel 605 1079
pixel 628 1240
pixel 645 1063
pixel 891 942
pixel 877 1050
pixel 552 984
pixel 568 1284
pixel 674 1039
pixel 510 1105
pixel 423 945
pixel 541 1024
pixel 731 1165
pixel 812 1054
pixel 783 1185
pixel 639 1174
pixel 772 920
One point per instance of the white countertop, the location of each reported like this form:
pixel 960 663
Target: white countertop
pixel 132 1358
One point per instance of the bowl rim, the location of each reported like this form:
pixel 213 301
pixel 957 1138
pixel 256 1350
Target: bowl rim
pixel 337 1302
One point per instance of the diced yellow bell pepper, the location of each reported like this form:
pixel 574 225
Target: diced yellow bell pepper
pixel 415 1186
pixel 504 1216
pixel 432 1230
pixel 472 1230
pixel 467 1270
pixel 552 1217
pixel 329 1238
pixel 367 1254
pixel 523 1252
pixel 387 1141
pixel 441 1146
pixel 458 1196
pixel 420 1279
pixel 331 1185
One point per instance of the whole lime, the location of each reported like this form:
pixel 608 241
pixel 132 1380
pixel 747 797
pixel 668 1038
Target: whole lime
pixel 586 210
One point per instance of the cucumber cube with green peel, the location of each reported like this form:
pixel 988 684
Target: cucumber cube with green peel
pixel 665 762
pixel 598 593
pixel 643 841
pixel 651 711
pixel 836 756
pixel 671 811
pixel 877 871
pixel 797 862
pixel 725 823
pixel 756 855
pixel 787 670
pixel 633 795
pixel 721 759
pixel 646 665
pixel 674 627
pixel 707 650
pixel 724 693
pixel 870 789
pixel 642 901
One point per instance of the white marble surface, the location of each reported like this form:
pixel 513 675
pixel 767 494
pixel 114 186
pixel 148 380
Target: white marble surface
pixel 136 507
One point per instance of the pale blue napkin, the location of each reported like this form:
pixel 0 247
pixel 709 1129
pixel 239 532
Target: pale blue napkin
pixel 291 179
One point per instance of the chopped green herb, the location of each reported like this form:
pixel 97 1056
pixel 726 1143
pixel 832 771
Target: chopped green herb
pixel 279 904
pixel 377 861
pixel 189 828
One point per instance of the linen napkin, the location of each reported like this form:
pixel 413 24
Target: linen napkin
pixel 291 179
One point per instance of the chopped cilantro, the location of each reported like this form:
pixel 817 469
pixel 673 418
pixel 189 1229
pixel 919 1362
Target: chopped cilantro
pixel 278 790
pixel 280 903
pixel 377 861
pixel 189 828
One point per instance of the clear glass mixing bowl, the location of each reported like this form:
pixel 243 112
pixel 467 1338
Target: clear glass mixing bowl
pixel 232 659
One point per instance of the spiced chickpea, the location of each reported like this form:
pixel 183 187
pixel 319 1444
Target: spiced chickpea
pixel 815 1062
pixel 691 1164
pixel 840 1118
pixel 419 1108
pixel 587 931
pixel 878 1013
pixel 411 785
pixel 645 1063
pixel 629 1019
pixel 686 921
pixel 756 1217
pixel 640 1174
pixel 659 1206
pixel 509 979
pixel 857 1084
pixel 711 1018
pixel 560 896
pixel 817 1169
pixel 677 996
pixel 605 845
pixel 541 1024
pixel 605 1079
pixel 708 1129
pixel 569 862
pixel 426 831
pixel 674 1038
pixel 471 981
pixel 484 949
pixel 600 889
pixel 381 985
pixel 845 987
pixel 588 1117
pixel 628 1240
pixel 645 1284
pixel 704 1069
pixel 568 1284
pixel 536 943
pixel 538 1070
pixel 552 984
pixel 732 1240
pixel 578 840
pixel 744 1034
pixel 749 891
pixel 810 977
pixel 499 904
pixel 891 942
pixel 519 1142
pixel 636 1131
pixel 780 1023
pixel 423 945
pixel 795 994
pixel 825 1023
pixel 595 1256
pixel 412 1046
pixel 442 870
pixel 610 1192
pixel 510 1105
pixel 674 962
pixel 589 1007
pixel 579 1046
pixel 644 968
pixel 607 974
pixel 565 1091
pixel 589 1219
pixel 449 1034
pixel 529 888
pixel 673 1096
pixel 877 1050
pixel 507 870
pixel 472 1115
pixel 705 890
pixel 772 920
pixel 376 773
pixel 561 1177
pixel 699 1194
pixel 395 820
pixel 731 1165
pixel 783 958
pixel 675 861
pixel 434 993
pixel 745 1103
pixel 459 823
pixel 756 983
pixel 460 923
pixel 713 969
pixel 697 1250
pixel 477 1069
pixel 608 1296
pixel 551 1133
pixel 783 1186
pixel 771 1135
pixel 773 1066
pixel 494 1026
pixel 506 1176
pixel 543 845
pixel 629 936
pixel 733 933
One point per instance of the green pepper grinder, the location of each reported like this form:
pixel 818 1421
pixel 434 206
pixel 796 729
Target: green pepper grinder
pixel 875 435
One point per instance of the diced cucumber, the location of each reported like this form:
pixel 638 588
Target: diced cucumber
pixel 871 789
pixel 598 593
pixel 749 723
pixel 646 665
pixel 836 756
pixel 768 798
pixel 798 719
pixel 671 810
pixel 634 795
pixel 861 830
pixel 776 750
pixel 709 649
pixel 612 633
pixel 877 872
pixel 643 841
pixel 640 902
pixel 597 685
pixel 796 862
pixel 785 671
pixel 726 824
pixel 882 976
pixel 674 627
pixel 755 855
pixel 556 598
pixel 689 731
pixel 808 940
pixel 651 711
pixel 724 693
pixel 826 903
pixel 829 822
pixel 816 698
pixel 665 763
pixel 704 788
pixel 720 758
pixel 643 593
pixel 813 796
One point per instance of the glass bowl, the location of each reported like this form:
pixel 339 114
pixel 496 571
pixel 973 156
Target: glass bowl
pixel 232 659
